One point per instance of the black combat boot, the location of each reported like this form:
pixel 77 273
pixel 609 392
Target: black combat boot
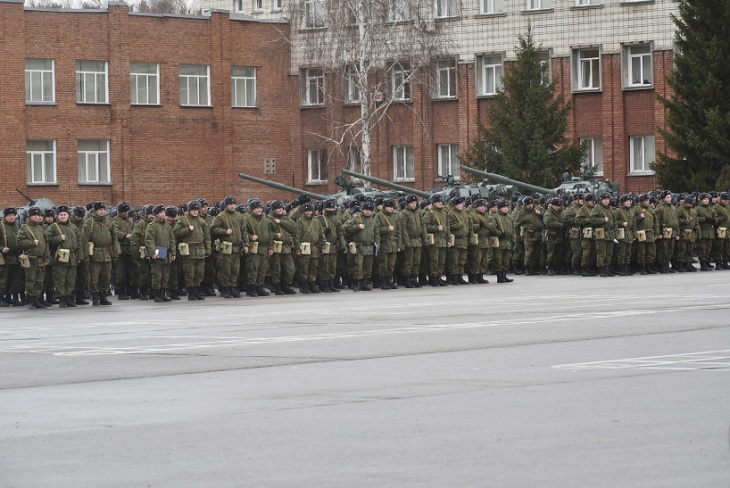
pixel 500 277
pixel 70 301
pixel 133 292
pixel 62 302
pixel 122 293
pixel 332 287
pixel 288 289
pixel 103 299
pixel 504 277
pixel 277 289
pixel 225 292
pixel 51 298
pixel 705 266
pixel 313 288
pixel 234 291
pixel 384 285
pixel 261 291
pixel 356 284
pixel 603 272
pixel 251 291
pixel 365 286
pixel 156 295
pixel 421 281
pixel 95 299
pixel 5 301
pixel 191 295
pixel 409 282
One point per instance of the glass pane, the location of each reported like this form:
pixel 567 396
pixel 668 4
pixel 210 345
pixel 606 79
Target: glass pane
pixel 636 70
pixel 103 167
pixel 250 94
pixel 410 170
pixel 646 70
pixel 152 90
pixel 50 173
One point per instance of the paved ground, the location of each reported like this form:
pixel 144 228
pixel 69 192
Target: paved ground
pixel 546 382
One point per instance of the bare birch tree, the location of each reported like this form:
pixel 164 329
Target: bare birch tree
pixel 376 49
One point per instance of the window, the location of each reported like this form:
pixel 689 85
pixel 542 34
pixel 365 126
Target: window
pixel 94 162
pixel 354 160
pixel 642 154
pixel 91 81
pixel 352 85
pixel 538 4
pixel 487 7
pixel 238 5
pixel 587 3
pixel 316 166
pixel 448 156
pixel 446 8
pixel 278 4
pixel 445 79
pixel 243 86
pixel 313 14
pixel 194 85
pixel 40 158
pixel 544 57
pixel 637 66
pixel 258 5
pixel 400 82
pixel 399 11
pixel 489 74
pixel 144 83
pixel 586 69
pixel 39 81
pixel 593 154
pixel 313 87
pixel 403 166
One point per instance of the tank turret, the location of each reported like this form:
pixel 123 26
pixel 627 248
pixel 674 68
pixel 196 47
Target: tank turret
pixel 283 187
pixel 509 181
pixel 386 183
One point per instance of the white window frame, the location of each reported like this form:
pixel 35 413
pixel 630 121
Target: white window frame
pixel 448 161
pixel 446 9
pixel 532 5
pixel 490 73
pixel 195 85
pixel 642 152
pixel 587 3
pixel 445 79
pixel 352 85
pixel 635 59
pixel 144 83
pixel 258 5
pixel 403 164
pixel 316 167
pixel 278 5
pixel 593 159
pixel 399 11
pixel 41 162
pixel 92 82
pixel 94 163
pixel 238 5
pixel 354 161
pixel 488 7
pixel 40 81
pixel 312 87
pixel 243 86
pixel 401 88
pixel 314 14
pixel 586 69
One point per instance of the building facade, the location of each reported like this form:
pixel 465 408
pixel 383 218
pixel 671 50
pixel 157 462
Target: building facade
pixel 108 105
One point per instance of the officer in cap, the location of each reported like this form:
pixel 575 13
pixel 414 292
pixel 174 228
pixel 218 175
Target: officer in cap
pixel 647 228
pixel 604 233
pixel 98 238
pixel 625 235
pixel 159 242
pixel 33 244
pixel 554 236
pixel 667 217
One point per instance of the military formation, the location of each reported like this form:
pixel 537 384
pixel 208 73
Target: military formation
pixel 67 256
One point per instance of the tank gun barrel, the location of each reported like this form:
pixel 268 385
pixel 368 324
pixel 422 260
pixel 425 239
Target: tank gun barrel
pixel 30 200
pixel 508 181
pixel 381 182
pixel 281 186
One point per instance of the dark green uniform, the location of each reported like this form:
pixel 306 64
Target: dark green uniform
pixel 647 228
pixel 126 274
pixel 227 229
pixel 689 228
pixel 389 245
pixel 194 233
pixel 364 234
pixel 604 228
pixel 706 217
pixel 435 221
pixel 668 233
pixel 66 238
pixel 99 235
pixel 413 234
pixel 32 242
pixel 281 263
pixel 309 239
pixel 160 244
pixel 259 234
pixel 11 274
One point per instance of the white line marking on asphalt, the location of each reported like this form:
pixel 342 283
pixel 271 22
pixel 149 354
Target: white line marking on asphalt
pixel 691 361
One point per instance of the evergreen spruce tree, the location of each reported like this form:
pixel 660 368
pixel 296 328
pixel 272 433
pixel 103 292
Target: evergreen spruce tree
pixel 698 117
pixel 525 139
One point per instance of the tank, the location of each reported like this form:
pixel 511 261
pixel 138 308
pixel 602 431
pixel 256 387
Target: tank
pixel 43 203
pixel 341 197
pixel 585 183
pixel 509 181
pixel 464 190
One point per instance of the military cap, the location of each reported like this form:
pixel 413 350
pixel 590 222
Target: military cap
pixel 34 211
pixel 604 195
pixel 330 204
pixel 62 209
pixel 194 205
pixel 578 196
pixel 255 203
pixel 213 211
pixel 423 204
pixel 411 198
pixel 203 202
pixel 148 209
pixel 689 199
pixel 10 211
pixel 354 209
pixel 79 211
pixel 436 198
pixel 99 206
pixel 49 213
pixel 123 207
pixel 724 196
pixel 704 195
pixel 171 212
pixel 230 200
pixel 277 204
pixel 158 208
pixel 303 198
pixel 568 199
pixel 379 201
pixel 241 208
pixel 556 201
pixel 480 203
pixel 368 206
pixel 664 194
pixel 389 203
pixel 589 197
pixel 625 198
pixel 502 203
pixel 457 201
pixel 90 206
pixel 294 204
pixel 307 207
pixel 527 201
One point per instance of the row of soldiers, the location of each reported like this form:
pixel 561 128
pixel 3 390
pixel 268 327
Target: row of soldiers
pixel 67 255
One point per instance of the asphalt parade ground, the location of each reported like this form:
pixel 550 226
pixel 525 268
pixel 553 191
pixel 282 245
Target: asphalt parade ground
pixel 545 382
